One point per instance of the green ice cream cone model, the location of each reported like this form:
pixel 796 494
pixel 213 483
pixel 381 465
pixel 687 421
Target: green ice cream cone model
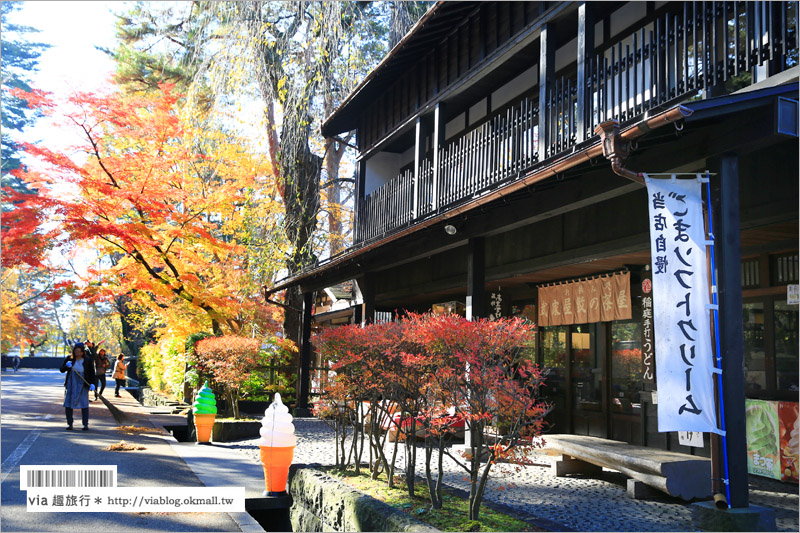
pixel 205 411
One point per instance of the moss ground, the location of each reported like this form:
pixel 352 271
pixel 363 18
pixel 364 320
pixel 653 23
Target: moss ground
pixel 453 516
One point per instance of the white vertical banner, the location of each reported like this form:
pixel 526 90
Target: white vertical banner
pixel 684 359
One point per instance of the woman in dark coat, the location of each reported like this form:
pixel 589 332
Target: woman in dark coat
pixel 79 381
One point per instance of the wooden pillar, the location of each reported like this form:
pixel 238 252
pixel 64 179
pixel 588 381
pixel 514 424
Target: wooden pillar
pixel 547 62
pixel 367 289
pixel 361 176
pixel 585 53
pixel 419 155
pixel 725 205
pixel 439 122
pixel 476 278
pixel 304 376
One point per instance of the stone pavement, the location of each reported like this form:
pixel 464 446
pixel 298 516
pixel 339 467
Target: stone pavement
pixel 570 503
pixel 33 434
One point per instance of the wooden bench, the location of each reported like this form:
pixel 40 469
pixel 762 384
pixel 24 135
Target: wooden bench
pixel 677 474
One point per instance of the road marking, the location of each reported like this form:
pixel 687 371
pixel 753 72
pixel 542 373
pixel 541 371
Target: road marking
pixel 12 460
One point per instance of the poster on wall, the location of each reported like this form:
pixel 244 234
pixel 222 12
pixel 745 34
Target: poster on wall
pixel 763 438
pixel 787 417
pixel 684 360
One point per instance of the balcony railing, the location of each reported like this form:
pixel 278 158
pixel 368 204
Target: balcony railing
pixel 677 55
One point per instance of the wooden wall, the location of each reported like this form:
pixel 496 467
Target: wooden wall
pixel 491 26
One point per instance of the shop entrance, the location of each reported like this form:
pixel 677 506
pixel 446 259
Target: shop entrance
pixel 594 375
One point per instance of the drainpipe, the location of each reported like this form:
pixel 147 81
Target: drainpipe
pixel 616 149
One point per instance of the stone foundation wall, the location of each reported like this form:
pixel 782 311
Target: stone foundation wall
pixel 323 503
pixel 150 398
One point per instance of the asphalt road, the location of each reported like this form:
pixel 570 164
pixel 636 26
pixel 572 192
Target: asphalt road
pixel 32 433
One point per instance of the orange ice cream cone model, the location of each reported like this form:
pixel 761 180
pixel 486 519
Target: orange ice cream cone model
pixel 204 424
pixel 205 412
pixel 276 462
pixel 277 445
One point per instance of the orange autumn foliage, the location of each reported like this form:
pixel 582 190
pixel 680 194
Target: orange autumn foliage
pixel 167 203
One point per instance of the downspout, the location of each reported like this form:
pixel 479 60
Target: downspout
pixel 617 147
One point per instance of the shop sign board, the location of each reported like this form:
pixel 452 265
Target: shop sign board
pixel 648 340
pixel 684 360
pixel 793 294
pixel 600 299
pixel 690 438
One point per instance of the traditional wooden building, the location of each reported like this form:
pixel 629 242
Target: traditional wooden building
pixel 500 146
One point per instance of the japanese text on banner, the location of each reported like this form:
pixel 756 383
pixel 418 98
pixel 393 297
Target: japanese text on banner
pixel 684 361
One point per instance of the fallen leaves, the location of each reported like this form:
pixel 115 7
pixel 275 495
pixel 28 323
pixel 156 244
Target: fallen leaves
pixel 130 430
pixel 123 446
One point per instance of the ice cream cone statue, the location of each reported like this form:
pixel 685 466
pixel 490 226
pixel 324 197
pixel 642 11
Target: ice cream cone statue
pixel 277 445
pixel 205 411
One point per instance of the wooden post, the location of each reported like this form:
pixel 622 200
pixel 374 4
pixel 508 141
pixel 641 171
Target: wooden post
pixel 725 202
pixel 439 118
pixel 585 52
pixel 547 53
pixel 304 376
pixel 476 278
pixel 361 176
pixel 419 155
pixel 367 285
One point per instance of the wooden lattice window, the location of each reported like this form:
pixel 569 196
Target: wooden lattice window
pixel 750 273
pixel 785 269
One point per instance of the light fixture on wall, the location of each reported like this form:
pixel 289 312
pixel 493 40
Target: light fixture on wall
pixel 450 229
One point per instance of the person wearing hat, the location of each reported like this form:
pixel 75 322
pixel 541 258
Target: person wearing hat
pixel 79 382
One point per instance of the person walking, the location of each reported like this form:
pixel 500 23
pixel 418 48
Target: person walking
pixel 119 373
pixel 89 348
pixel 101 365
pixel 80 380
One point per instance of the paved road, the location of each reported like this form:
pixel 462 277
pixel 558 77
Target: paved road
pixel 33 433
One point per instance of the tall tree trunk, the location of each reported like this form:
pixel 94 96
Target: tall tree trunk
pixel 133 337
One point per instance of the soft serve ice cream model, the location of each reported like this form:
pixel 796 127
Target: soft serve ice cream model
pixel 205 412
pixel 277 445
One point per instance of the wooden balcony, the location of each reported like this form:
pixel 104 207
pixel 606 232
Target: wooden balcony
pixel 692 49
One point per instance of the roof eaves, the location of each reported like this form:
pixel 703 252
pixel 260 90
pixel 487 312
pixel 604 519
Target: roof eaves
pixel 374 72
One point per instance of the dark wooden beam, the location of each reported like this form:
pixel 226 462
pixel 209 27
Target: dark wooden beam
pixel 439 123
pixel 625 245
pixel 361 176
pixel 419 155
pixel 304 375
pixel 585 53
pixel 547 51
pixel 595 185
pixel 367 286
pixel 476 278
pixel 725 205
